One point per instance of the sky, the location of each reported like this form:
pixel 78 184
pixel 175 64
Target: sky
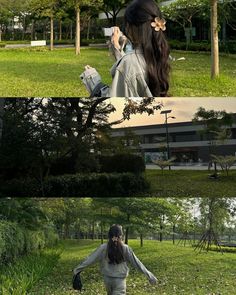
pixel 183 109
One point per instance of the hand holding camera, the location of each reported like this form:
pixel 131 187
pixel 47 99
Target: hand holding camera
pixel 118 39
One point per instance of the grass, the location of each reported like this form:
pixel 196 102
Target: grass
pixel 192 76
pixel 179 270
pixel 43 73
pixel 183 183
pixel 40 72
pixel 19 277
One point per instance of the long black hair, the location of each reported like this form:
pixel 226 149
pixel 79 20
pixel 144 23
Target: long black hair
pixel 137 27
pixel 114 246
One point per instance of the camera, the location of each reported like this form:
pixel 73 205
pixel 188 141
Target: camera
pixel 108 31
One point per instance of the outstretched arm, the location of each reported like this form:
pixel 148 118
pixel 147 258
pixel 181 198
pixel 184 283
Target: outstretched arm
pixel 91 259
pixel 133 259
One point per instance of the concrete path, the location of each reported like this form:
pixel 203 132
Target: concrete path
pixel 185 167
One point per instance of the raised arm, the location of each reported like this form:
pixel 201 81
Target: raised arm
pixel 91 259
pixel 133 259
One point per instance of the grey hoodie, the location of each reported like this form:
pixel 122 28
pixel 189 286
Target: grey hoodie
pixel 120 270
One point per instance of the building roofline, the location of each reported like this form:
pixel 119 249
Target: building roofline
pixel 170 124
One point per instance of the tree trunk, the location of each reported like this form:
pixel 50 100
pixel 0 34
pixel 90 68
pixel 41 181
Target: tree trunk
pixel 66 233
pixel 173 235
pixel 88 29
pixel 127 230
pixel 93 230
pixel 2 102
pixel 127 235
pixel 24 29
pixel 190 32
pixel 224 31
pixel 77 34
pixel 0 33
pixel 141 240
pixel 32 30
pixel 214 41
pixel 60 30
pixel 78 232
pixel 101 228
pixel 51 33
pixel 161 228
pixel 71 30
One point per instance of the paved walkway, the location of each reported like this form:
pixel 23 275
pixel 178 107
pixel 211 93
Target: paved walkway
pixel 28 45
pixel 185 167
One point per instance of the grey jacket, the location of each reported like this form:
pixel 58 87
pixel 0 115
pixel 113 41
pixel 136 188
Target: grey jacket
pixel 129 76
pixel 120 270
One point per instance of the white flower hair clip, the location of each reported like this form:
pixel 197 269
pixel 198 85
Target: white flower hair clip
pixel 159 24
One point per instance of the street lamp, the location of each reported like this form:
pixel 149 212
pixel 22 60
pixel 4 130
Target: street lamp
pixel 166 112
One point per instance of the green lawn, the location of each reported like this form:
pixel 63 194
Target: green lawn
pixel 184 183
pixel 40 72
pixel 179 270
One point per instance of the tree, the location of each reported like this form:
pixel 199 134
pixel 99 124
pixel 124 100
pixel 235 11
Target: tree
pixel 77 5
pixel 47 8
pixel 215 212
pixel 179 217
pixel 54 136
pixel 163 163
pixel 112 9
pixel 48 131
pixel 138 214
pixel 225 162
pixel 71 216
pixel 182 12
pixel 5 14
pixel 216 123
pixel 24 211
pixel 214 40
pixel 227 9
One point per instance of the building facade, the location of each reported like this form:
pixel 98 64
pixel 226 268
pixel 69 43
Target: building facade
pixel 188 143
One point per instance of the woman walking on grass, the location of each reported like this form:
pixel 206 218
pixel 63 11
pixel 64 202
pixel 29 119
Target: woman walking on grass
pixel 143 69
pixel 113 258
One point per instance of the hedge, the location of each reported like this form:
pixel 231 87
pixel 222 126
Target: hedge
pixel 122 163
pixel 16 240
pixel 78 185
pixel 229 46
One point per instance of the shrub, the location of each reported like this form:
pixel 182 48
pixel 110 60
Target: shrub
pixel 86 42
pixel 78 185
pixel 229 46
pixel 20 277
pixel 11 241
pixel 16 241
pixel 194 46
pixel 122 163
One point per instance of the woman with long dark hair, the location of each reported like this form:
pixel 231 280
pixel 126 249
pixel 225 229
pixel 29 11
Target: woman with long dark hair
pixel 113 257
pixel 144 70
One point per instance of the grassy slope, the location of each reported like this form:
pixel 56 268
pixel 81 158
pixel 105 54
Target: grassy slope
pixel 179 269
pixel 183 183
pixel 44 73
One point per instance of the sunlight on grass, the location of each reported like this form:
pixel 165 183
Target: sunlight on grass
pixel 179 270
pixel 25 72
pixel 182 183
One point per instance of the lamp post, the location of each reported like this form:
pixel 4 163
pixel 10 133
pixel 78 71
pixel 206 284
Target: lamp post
pixel 166 112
